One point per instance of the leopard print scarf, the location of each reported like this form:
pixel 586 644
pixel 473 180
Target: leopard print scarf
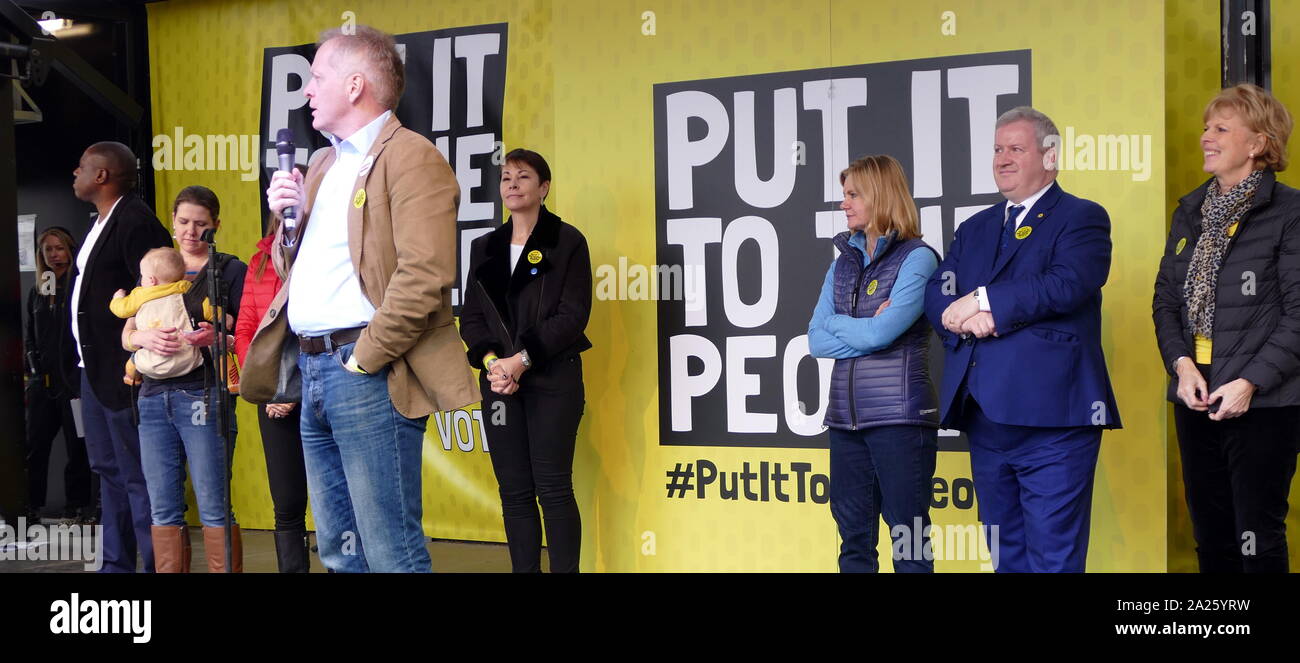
pixel 1219 212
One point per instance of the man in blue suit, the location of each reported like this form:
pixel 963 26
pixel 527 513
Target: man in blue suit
pixel 1017 304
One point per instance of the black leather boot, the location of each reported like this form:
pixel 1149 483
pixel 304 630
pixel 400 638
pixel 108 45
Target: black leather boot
pixel 291 554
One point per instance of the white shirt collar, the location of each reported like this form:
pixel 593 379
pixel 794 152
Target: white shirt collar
pixel 110 210
pixel 1029 202
pixel 363 138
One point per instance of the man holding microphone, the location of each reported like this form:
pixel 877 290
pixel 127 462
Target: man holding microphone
pixel 366 301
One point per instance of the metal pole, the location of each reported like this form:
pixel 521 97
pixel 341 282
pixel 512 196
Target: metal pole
pixel 219 360
pixel 1247 47
pixel 12 409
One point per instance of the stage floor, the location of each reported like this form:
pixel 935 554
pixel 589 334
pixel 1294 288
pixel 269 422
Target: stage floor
pixel 259 557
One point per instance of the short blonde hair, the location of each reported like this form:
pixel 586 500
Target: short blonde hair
pixel 1263 114
pixel 376 54
pixel 880 180
pixel 166 264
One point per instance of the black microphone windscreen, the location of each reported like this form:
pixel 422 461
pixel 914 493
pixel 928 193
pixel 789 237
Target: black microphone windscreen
pixel 284 141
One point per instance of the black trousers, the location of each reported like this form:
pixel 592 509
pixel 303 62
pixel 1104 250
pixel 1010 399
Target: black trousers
pixel 531 437
pixel 48 412
pixel 1236 476
pixel 285 471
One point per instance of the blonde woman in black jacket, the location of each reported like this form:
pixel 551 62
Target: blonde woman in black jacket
pixel 53 381
pixel 527 300
pixel 1227 316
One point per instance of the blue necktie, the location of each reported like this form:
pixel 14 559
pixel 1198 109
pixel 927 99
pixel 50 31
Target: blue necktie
pixel 1008 229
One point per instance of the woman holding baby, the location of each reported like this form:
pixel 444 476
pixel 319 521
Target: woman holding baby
pixel 171 337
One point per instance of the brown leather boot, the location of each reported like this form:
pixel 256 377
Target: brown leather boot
pixel 214 546
pixel 171 548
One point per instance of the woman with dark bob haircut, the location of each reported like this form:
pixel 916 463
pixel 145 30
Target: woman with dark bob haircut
pixel 527 301
pixel 1227 318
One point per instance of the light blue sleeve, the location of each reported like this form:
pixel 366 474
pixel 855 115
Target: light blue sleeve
pixel 821 343
pixel 907 302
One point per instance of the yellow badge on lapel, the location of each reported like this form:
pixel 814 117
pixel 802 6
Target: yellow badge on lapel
pixel 359 199
pixel 1024 231
pixel 1182 244
pixel 534 256
pixel 871 287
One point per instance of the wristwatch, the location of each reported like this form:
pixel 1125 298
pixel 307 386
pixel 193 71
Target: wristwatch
pixel 353 363
pixel 523 355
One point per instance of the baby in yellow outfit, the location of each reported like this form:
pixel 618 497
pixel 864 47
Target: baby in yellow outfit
pixel 159 303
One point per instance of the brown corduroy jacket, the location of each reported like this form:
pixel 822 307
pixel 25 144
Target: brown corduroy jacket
pixel 402 236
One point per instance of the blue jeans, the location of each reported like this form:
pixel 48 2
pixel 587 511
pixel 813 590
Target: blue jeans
pixel 885 470
pixel 113 445
pixel 363 462
pixel 178 427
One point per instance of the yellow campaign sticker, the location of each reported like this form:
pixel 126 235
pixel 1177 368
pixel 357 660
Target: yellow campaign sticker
pixel 359 199
pixel 871 287
pixel 1023 232
pixel 534 256
pixel 1182 244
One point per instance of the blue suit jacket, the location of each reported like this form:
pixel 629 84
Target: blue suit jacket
pixel 1045 367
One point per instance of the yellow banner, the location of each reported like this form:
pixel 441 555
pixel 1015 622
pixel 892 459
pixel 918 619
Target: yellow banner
pixel 579 89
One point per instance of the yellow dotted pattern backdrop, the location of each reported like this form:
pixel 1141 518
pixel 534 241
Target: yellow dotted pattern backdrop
pixel 1191 80
pixel 1103 75
pixel 579 89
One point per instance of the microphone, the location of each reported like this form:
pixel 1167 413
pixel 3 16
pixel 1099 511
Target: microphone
pixel 284 150
pixel 209 236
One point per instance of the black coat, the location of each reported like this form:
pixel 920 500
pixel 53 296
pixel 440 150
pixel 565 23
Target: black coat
pixel 114 263
pixel 1257 298
pixel 543 307
pixel 51 351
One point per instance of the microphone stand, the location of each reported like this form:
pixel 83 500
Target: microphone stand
pixel 220 350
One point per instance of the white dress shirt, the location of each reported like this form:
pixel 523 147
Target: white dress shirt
pixel 324 292
pixel 1028 204
pixel 516 250
pixel 83 256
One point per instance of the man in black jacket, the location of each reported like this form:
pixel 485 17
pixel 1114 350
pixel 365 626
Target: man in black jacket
pixel 109 259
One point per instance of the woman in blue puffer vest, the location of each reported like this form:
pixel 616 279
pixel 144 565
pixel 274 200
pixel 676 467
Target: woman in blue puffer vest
pixel 882 411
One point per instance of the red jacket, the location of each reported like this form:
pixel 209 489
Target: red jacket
pixel 258 294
